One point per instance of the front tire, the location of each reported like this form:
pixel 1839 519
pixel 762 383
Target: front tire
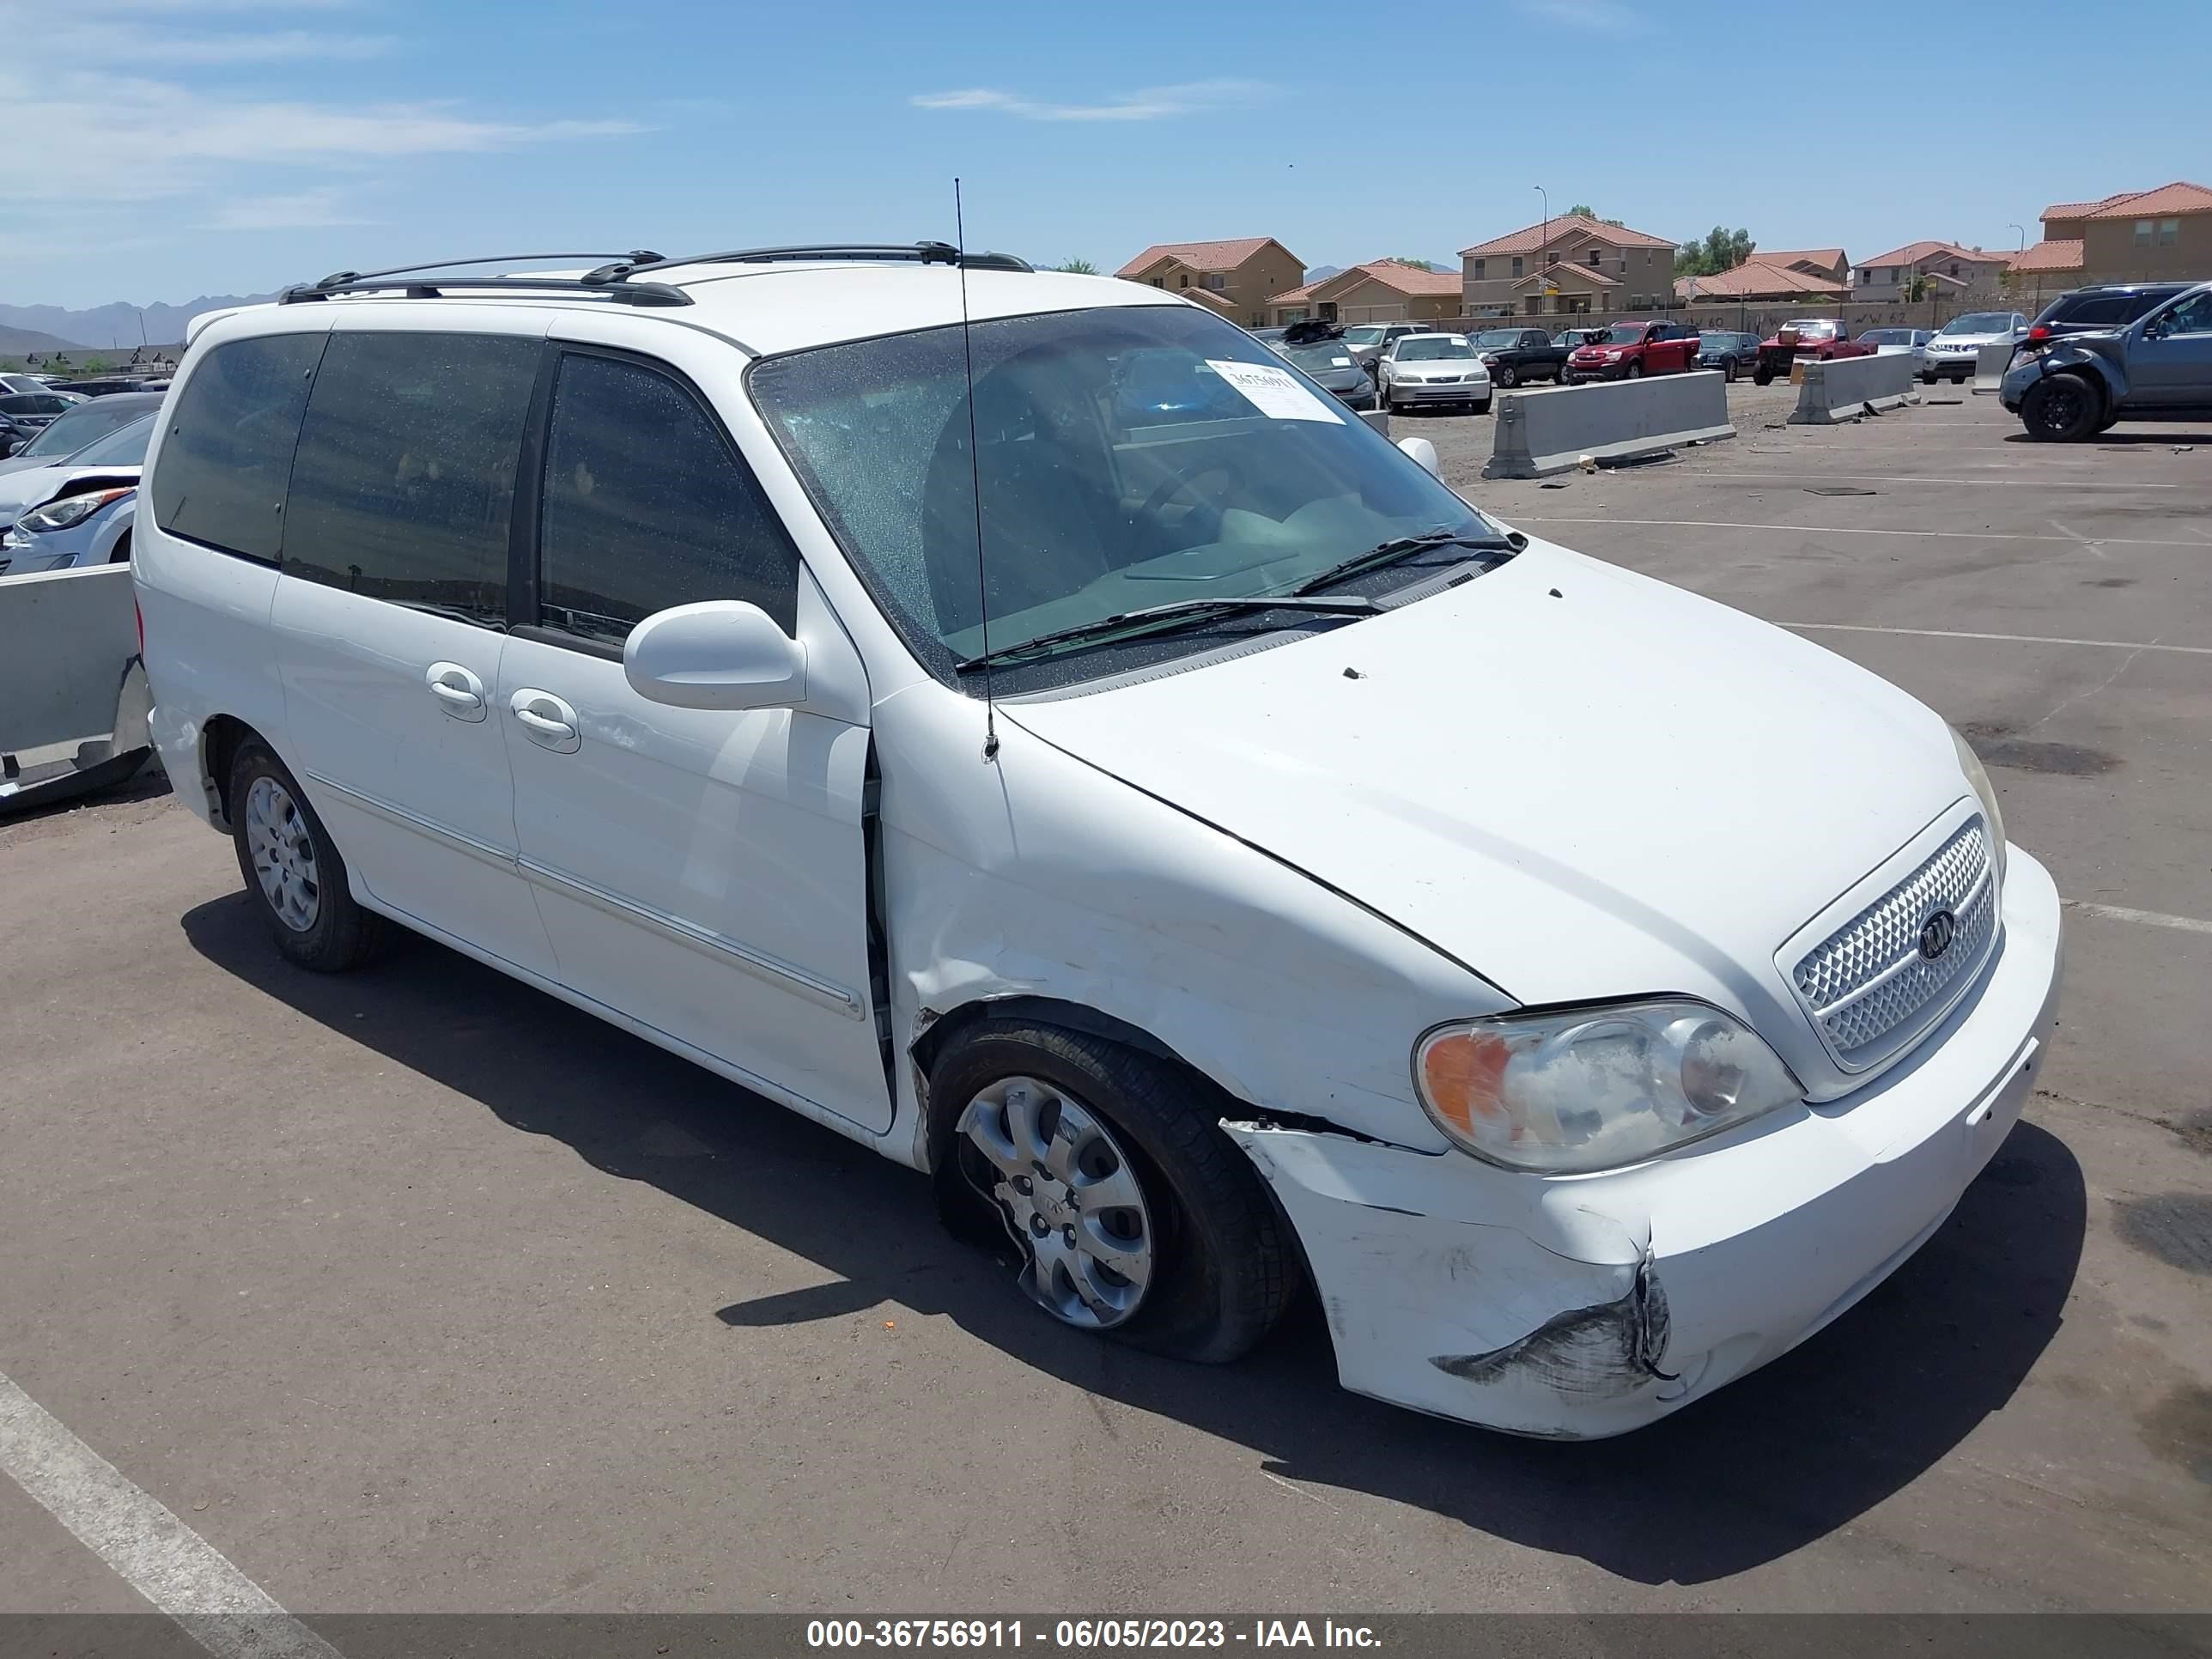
pixel 294 875
pixel 1633 372
pixel 1508 376
pixel 1762 375
pixel 2061 409
pixel 1136 1217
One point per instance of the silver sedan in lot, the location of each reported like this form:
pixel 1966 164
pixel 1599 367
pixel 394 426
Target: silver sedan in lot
pixel 1433 368
pixel 78 513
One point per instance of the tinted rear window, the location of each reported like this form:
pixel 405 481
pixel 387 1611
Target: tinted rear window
pixel 230 444
pixel 403 485
pixel 2107 310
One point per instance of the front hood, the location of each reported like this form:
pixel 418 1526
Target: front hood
pixel 1579 782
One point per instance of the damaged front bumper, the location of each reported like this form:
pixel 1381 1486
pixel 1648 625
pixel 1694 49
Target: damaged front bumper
pixel 1579 1307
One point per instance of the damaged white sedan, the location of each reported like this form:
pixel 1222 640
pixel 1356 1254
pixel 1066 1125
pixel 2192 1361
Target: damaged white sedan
pixel 1017 721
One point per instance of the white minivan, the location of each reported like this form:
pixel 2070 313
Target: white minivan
pixel 1222 857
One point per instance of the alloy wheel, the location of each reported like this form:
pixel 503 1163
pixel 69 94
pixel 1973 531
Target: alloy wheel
pixel 1071 1197
pixel 284 854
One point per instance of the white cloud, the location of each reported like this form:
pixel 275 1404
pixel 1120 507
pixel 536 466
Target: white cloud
pixel 1147 103
pixel 1607 16
pixel 155 140
pixel 300 211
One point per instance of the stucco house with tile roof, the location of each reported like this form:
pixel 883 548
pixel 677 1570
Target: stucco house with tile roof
pixel 2133 235
pixel 1948 270
pixel 1235 274
pixel 1379 291
pixel 1566 265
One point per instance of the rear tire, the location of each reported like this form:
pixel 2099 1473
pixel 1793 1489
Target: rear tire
pixel 1762 375
pixel 2061 409
pixel 1219 1265
pixel 294 875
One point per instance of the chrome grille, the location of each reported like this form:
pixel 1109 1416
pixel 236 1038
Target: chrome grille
pixel 1868 987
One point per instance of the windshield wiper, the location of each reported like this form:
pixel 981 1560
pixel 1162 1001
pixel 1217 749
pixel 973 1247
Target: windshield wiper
pixel 1155 618
pixel 1400 547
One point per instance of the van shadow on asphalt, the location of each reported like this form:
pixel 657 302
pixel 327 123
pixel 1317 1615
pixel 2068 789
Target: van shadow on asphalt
pixel 1763 1467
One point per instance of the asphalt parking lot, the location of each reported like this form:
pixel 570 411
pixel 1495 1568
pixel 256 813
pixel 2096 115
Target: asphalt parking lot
pixel 417 1291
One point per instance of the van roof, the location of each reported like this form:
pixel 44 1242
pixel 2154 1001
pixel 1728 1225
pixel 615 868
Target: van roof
pixel 786 304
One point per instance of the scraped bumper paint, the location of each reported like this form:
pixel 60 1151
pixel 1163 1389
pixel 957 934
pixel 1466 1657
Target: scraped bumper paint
pixel 1582 1306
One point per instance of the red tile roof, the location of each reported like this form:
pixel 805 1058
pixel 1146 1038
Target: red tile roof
pixel 1589 274
pixel 1199 256
pixel 1294 296
pixel 1220 302
pixel 1405 278
pixel 2083 209
pixel 1913 252
pixel 1758 276
pixel 2064 254
pixel 2179 196
pixel 1542 234
pixel 1828 259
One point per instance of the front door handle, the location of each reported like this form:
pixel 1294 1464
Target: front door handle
pixel 547 719
pixel 458 692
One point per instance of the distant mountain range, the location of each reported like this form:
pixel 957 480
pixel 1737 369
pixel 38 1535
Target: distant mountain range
pixel 109 327
pixel 15 342
pixel 1318 274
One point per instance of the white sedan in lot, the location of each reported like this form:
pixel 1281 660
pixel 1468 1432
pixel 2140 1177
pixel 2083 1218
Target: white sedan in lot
pixel 1433 368
pixel 77 511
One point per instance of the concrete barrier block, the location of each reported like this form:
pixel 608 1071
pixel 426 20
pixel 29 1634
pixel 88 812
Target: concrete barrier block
pixel 1378 417
pixel 66 639
pixel 1991 362
pixel 1842 387
pixel 1540 433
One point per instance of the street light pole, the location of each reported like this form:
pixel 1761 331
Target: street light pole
pixel 1544 261
pixel 2022 248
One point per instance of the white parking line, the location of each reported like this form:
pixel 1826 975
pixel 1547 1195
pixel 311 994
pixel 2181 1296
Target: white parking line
pixel 156 1553
pixel 2008 639
pixel 1894 477
pixel 2147 918
pixel 1840 530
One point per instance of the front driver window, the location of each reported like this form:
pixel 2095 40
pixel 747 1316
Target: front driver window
pixel 2192 316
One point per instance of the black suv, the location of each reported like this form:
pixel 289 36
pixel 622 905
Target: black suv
pixel 2107 304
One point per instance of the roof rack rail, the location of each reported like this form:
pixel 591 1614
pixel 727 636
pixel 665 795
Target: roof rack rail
pixel 433 287
pixel 926 254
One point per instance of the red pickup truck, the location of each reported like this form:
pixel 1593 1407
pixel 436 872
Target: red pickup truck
pixel 1627 351
pixel 1818 337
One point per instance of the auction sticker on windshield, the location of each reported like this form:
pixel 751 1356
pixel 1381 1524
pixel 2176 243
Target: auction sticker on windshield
pixel 1272 391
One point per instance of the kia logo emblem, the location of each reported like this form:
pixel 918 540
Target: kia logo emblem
pixel 1936 934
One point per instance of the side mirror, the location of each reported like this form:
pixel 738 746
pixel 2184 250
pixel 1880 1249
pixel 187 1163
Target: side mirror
pixel 722 653
pixel 1422 452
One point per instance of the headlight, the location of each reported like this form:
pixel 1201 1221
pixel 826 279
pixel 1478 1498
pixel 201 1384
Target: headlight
pixel 72 509
pixel 1971 764
pixel 1612 356
pixel 1595 1088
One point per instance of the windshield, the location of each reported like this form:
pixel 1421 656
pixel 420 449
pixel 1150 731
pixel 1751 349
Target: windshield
pixel 1497 337
pixel 1094 504
pixel 85 422
pixel 1619 334
pixel 1886 337
pixel 1365 334
pixel 1979 322
pixel 1421 348
pixel 125 447
pixel 1314 359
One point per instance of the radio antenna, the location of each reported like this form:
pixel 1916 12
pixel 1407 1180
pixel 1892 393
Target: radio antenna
pixel 975 482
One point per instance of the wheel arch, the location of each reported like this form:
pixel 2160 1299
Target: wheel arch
pixel 948 1026
pixel 222 736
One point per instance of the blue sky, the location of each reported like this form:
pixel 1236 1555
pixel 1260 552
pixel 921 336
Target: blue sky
pixel 159 150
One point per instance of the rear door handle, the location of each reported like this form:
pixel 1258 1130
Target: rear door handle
pixel 458 692
pixel 548 720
